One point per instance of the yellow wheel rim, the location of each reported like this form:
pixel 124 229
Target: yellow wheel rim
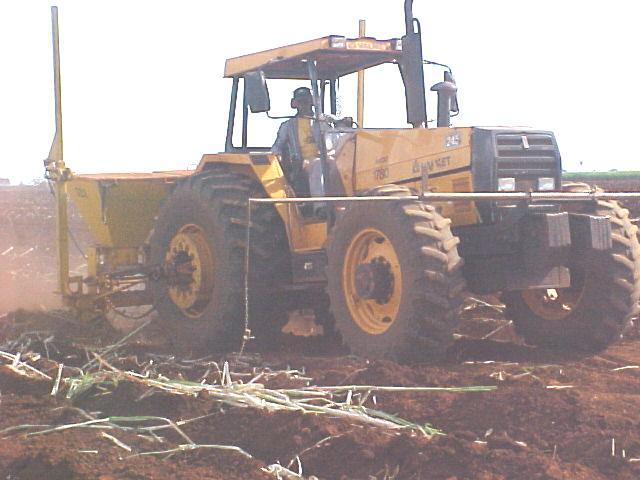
pixel 194 262
pixel 372 281
pixel 556 304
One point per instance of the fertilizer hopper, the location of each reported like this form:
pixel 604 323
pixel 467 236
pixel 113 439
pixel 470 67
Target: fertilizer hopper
pixel 119 210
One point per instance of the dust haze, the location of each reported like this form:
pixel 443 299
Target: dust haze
pixel 28 249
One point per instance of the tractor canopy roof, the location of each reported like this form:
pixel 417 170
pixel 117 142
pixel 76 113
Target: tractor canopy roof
pixel 335 56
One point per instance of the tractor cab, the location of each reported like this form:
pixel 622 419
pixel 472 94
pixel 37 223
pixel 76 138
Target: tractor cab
pixel 319 64
pixel 322 65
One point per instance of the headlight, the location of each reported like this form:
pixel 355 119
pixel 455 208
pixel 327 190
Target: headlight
pixel 546 184
pixel 507 184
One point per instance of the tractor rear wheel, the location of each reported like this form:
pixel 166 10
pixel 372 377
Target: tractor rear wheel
pixel 601 301
pixel 200 239
pixel 394 279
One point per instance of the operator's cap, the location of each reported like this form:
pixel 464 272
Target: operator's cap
pixel 301 93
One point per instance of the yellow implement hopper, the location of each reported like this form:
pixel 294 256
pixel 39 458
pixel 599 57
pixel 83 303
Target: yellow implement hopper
pixel 119 208
pixel 119 211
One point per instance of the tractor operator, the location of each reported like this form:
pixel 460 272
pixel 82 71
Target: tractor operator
pixel 298 149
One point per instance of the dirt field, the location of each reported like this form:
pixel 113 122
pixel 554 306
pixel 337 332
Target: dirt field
pixel 28 247
pixel 550 416
pixel 123 410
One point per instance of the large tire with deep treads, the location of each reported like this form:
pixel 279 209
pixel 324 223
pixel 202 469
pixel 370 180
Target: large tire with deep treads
pixel 604 299
pixel 402 253
pixel 210 211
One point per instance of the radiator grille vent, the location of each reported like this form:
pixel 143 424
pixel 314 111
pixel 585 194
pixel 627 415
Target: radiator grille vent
pixel 533 153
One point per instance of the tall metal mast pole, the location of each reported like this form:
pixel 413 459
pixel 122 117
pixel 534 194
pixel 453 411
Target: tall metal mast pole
pixel 360 114
pixel 56 170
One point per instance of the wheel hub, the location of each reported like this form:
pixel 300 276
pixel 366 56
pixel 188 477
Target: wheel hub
pixel 191 262
pixel 557 304
pixel 374 280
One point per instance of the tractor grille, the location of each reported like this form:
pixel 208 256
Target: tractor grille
pixel 526 153
pixel 501 154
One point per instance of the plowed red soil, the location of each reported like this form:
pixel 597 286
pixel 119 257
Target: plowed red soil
pixel 553 415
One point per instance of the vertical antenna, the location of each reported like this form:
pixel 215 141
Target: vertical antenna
pixel 55 154
pixel 56 171
pixel 360 112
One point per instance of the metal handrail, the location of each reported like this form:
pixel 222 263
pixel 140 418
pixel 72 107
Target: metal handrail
pixel 462 196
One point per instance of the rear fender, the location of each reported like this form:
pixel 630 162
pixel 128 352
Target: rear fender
pixel 266 169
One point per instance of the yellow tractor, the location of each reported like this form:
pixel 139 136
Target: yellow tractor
pixel 408 220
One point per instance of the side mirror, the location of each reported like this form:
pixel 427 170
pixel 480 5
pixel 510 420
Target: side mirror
pixel 256 92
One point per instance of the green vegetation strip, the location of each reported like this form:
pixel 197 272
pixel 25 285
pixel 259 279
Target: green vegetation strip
pixel 610 175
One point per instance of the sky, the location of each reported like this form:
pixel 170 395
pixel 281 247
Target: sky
pixel 142 85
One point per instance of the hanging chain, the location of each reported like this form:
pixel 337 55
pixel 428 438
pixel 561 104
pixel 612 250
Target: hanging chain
pixel 246 336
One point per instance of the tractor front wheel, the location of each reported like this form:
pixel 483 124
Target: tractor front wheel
pixel 394 279
pixel 602 299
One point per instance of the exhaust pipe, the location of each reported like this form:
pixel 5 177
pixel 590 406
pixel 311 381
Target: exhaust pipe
pixel 411 69
pixel 408 16
pixel 446 91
